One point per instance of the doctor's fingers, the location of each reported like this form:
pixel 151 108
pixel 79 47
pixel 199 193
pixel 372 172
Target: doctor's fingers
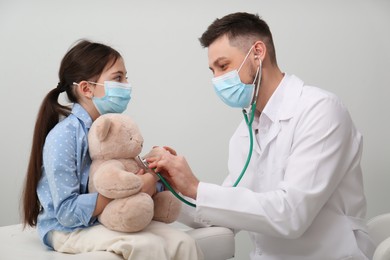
pixel 165 165
pixel 176 165
pixel 170 150
pixel 179 174
pixel 164 161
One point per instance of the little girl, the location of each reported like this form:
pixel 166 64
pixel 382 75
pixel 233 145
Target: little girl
pixel 55 197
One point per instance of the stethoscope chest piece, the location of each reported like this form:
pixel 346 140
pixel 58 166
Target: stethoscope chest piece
pixel 143 161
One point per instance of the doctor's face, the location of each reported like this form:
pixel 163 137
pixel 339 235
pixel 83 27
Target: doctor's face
pixel 223 57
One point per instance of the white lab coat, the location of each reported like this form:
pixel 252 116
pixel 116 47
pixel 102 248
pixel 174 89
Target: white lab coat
pixel 302 195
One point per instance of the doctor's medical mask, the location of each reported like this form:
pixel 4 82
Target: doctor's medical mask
pixel 232 91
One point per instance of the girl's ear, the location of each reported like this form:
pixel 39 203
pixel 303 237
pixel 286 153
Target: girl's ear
pixel 85 89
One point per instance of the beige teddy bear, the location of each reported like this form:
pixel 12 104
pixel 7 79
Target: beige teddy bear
pixel 114 144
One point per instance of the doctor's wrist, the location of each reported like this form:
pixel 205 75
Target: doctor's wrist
pixel 192 190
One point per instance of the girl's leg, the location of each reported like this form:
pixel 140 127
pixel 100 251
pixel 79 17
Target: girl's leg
pixel 157 241
pixel 140 245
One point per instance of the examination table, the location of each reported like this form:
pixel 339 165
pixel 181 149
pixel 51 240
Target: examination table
pixel 217 243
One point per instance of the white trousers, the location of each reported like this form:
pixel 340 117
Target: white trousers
pixel 157 241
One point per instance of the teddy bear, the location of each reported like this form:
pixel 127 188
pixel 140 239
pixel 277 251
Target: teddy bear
pixel 115 142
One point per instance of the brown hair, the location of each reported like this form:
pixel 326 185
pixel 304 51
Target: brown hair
pixel 84 61
pixel 242 30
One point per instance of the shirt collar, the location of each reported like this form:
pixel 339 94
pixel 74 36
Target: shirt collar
pixel 82 115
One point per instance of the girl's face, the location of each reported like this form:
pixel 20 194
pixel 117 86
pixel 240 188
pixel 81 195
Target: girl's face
pixel 116 72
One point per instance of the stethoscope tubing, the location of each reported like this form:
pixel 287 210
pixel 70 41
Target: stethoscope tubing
pixel 249 122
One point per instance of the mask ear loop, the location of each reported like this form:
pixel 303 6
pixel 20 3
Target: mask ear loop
pixel 95 83
pixel 242 64
pixel 252 106
pixel 89 82
pixel 258 76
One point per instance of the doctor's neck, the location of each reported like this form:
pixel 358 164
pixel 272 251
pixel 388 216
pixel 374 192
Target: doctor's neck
pixel 270 80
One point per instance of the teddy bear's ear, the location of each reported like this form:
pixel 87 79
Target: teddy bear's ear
pixel 103 128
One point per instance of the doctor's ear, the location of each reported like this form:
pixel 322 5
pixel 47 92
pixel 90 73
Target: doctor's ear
pixel 259 50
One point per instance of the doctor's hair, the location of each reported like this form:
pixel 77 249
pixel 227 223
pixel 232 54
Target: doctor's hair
pixel 84 61
pixel 242 30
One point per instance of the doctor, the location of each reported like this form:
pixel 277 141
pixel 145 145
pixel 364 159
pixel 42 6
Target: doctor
pixel 302 194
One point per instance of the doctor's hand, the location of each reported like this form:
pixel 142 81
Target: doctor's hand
pixel 177 172
pixel 170 150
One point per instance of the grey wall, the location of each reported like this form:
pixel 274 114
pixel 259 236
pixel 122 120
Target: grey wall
pixel 341 46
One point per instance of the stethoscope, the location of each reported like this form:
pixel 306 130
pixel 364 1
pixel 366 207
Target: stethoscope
pixel 248 120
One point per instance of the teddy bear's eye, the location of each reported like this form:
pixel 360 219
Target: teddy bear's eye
pixel 131 138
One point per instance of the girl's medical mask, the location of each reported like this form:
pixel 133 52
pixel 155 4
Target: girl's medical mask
pixel 117 96
pixel 232 90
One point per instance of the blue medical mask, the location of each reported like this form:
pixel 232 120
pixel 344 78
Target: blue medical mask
pixel 117 96
pixel 232 90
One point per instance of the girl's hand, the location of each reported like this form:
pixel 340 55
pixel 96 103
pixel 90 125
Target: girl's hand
pixel 149 182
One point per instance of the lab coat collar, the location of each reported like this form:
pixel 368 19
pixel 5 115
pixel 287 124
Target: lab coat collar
pixel 291 93
pixel 281 106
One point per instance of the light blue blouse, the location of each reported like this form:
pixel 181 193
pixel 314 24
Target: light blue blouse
pixel 63 188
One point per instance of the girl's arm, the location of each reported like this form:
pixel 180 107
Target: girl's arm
pixel 101 203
